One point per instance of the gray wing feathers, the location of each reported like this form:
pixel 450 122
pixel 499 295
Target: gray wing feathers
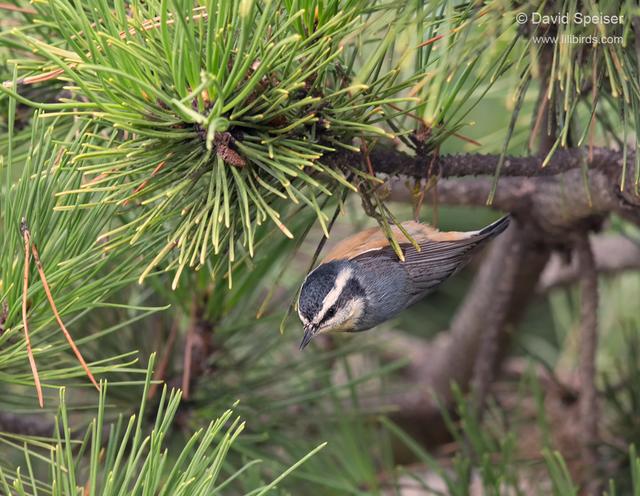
pixel 496 227
pixel 437 261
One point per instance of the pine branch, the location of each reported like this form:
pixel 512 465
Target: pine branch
pixel 612 253
pixel 389 160
pixel 26 425
pixel 554 204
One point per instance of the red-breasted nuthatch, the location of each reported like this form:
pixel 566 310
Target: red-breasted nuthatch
pixel 362 282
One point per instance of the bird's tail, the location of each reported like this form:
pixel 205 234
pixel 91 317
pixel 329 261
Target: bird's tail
pixel 495 228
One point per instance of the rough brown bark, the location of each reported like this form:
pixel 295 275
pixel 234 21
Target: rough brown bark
pixel 569 190
pixel 389 160
pixel 568 201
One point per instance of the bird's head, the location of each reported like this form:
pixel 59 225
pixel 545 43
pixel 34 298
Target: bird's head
pixel 331 300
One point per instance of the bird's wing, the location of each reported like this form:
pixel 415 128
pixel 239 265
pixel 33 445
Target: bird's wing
pixel 438 259
pixel 436 262
pixel 374 240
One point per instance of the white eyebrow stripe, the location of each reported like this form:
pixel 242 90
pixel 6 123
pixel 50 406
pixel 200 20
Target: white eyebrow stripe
pixel 332 296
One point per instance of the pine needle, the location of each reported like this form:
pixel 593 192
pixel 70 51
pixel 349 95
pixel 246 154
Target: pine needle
pixel 15 8
pixel 144 183
pixel 32 361
pixel 36 256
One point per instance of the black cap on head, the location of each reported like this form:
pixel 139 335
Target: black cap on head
pixel 316 287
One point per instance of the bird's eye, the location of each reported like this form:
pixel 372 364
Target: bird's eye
pixel 331 312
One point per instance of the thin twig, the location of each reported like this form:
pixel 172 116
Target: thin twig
pixel 364 149
pixel 159 373
pixel 188 348
pixel 27 257
pixel 47 290
pixel 15 8
pixel 3 316
pixel 587 367
pixel 594 100
pixel 535 133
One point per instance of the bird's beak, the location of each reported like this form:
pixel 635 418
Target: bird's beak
pixel 309 331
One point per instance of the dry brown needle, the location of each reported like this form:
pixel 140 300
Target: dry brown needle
pixel 36 256
pixel 32 361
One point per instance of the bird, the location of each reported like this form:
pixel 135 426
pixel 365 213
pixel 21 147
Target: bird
pixel 362 281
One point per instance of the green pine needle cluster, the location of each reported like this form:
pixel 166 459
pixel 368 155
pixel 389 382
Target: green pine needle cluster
pixel 170 158
pixel 215 117
pixel 122 458
pixel 215 109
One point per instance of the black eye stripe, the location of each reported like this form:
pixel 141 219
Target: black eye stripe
pixel 329 314
pixel 351 290
pixel 319 283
